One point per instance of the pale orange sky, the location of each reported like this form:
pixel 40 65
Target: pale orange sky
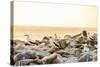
pixel 45 14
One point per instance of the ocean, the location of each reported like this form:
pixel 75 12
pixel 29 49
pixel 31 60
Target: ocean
pixel 38 32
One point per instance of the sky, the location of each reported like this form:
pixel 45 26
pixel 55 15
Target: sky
pixel 59 15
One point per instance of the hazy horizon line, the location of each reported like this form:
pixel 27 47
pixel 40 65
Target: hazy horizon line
pixel 52 26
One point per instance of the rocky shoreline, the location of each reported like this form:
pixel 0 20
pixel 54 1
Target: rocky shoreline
pixel 81 47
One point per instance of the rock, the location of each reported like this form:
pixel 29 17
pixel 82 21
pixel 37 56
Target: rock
pixel 25 55
pixel 84 32
pixel 49 59
pixel 70 49
pixel 88 56
pixel 63 53
pixel 73 51
pixel 42 53
pixel 53 49
pixel 85 58
pixel 63 44
pixel 24 62
pixel 71 59
pixel 72 43
pixel 58 60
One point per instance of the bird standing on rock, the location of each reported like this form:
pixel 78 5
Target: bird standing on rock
pixel 29 40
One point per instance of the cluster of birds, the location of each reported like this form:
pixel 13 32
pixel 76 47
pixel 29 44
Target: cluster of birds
pixel 81 47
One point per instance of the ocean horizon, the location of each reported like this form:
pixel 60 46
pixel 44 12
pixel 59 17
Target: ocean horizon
pixel 38 32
